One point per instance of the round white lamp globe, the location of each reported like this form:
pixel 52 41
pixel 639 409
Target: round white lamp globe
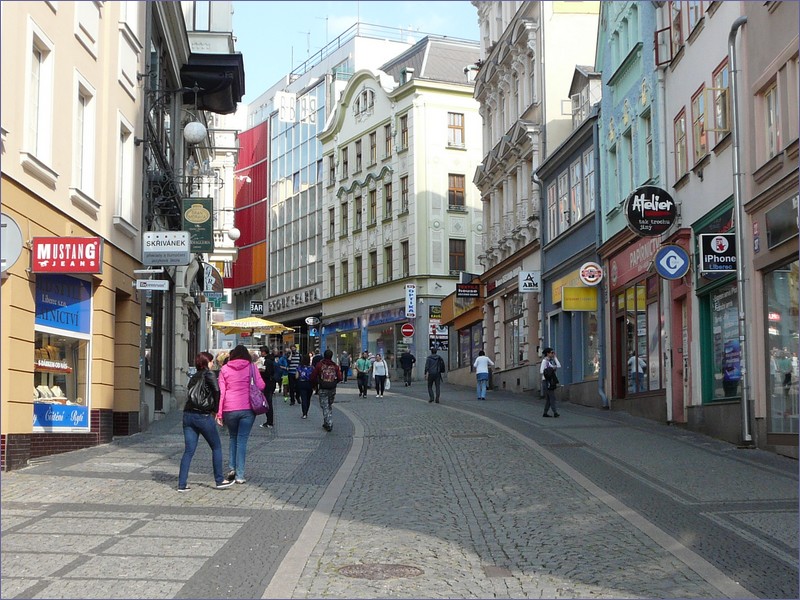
pixel 234 233
pixel 194 132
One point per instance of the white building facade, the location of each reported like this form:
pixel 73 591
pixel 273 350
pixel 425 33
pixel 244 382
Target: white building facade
pixel 400 220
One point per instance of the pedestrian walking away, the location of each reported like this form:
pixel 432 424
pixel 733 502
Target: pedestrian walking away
pixel 234 408
pixel 344 363
pixel 381 371
pixel 407 361
pixel 283 370
pixel 294 362
pixel 363 368
pixel 549 380
pixel 434 368
pixel 267 371
pixel 304 387
pixel 482 364
pixel 202 401
pixel 325 377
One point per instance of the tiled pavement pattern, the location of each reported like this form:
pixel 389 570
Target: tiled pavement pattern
pixel 464 499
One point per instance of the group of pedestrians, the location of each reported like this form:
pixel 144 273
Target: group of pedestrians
pixel 223 398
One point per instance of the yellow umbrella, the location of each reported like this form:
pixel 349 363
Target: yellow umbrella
pixel 251 325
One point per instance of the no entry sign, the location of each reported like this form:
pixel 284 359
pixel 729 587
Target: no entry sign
pixel 407 330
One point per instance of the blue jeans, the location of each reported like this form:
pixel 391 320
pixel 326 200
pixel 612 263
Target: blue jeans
pixel 434 380
pixel 239 424
pixel 483 382
pixel 195 425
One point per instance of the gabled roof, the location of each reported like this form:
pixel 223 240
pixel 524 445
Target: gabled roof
pixel 435 58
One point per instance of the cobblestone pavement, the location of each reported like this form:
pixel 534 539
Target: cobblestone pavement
pixel 406 499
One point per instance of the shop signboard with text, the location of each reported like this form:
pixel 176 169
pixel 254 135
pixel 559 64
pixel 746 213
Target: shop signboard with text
pixel 67 255
pixel 197 221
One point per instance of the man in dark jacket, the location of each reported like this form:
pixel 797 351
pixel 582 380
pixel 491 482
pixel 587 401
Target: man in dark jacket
pixel 268 375
pixel 325 377
pixel 407 361
pixel 434 368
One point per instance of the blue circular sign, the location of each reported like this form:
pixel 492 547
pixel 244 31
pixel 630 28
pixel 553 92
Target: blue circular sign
pixel 672 262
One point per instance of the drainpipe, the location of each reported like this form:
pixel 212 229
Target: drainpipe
pixel 665 284
pixel 601 305
pixel 744 355
pixel 540 184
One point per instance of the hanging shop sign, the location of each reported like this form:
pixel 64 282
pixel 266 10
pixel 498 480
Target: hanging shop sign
pixel 591 273
pixel 197 221
pixel 718 252
pixel 650 211
pixel 212 279
pixel 166 248
pixel 468 290
pixel 411 301
pixel 529 281
pixel 312 320
pixel 671 262
pixel 161 285
pixel 11 242
pixel 67 255
pixel 256 307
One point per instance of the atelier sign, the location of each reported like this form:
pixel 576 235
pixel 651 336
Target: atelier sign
pixel 650 211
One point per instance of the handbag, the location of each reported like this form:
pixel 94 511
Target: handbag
pixel 388 384
pixel 200 396
pixel 258 401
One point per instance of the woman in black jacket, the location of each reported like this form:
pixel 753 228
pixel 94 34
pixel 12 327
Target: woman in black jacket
pixel 201 406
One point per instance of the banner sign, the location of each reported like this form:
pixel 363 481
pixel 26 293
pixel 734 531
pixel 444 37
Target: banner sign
pixel 48 417
pixel 198 222
pixel 579 298
pixel 67 255
pixel 411 301
pixel 717 252
pixel 64 302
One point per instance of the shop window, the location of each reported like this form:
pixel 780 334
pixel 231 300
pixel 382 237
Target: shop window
pixel 725 351
pixel 782 306
pixel 638 334
pixel 61 355
pixel 591 355
pixel 513 328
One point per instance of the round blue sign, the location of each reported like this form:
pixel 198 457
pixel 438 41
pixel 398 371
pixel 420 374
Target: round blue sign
pixel 672 262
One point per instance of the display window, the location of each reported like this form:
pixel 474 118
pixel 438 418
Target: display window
pixel 638 337
pixel 781 300
pixel 513 328
pixel 61 354
pixel 470 342
pixel 724 351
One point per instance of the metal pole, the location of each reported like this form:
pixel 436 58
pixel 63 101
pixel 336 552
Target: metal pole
pixel 744 355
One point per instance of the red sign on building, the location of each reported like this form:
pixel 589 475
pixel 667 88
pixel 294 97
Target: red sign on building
pixel 67 255
pixel 407 330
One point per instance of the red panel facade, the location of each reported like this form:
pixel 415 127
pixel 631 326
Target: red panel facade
pixel 250 205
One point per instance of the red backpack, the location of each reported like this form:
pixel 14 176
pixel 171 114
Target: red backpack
pixel 328 377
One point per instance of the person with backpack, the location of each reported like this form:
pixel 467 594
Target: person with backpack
pixel 198 419
pixel 549 380
pixel 434 368
pixel 304 387
pixel 325 377
pixel 363 368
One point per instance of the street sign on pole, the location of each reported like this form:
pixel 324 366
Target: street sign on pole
pixel 407 330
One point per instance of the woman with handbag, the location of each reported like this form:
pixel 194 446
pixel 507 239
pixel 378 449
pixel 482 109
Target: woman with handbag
pixel 202 400
pixel 235 410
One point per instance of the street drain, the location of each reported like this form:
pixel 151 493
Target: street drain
pixel 377 571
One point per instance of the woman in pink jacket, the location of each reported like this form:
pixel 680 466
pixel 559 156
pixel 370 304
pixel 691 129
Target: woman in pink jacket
pixel 234 407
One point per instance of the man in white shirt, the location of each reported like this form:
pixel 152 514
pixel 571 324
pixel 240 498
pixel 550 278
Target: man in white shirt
pixel 482 364
pixel 549 380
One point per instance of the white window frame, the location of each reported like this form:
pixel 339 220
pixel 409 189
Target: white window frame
pixel 39 95
pixel 84 136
